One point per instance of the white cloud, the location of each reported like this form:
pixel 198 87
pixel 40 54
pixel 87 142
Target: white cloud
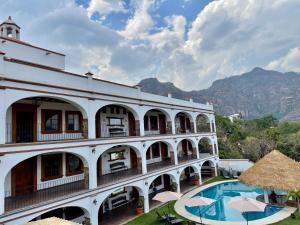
pixel 105 6
pixel 228 37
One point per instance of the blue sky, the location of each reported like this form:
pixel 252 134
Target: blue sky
pixel 188 42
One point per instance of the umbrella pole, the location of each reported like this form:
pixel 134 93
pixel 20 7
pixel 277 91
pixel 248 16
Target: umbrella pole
pixel 247 217
pixel 200 215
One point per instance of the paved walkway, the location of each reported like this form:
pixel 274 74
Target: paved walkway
pixel 181 210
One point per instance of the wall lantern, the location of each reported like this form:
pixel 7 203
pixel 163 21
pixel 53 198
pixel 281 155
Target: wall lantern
pixel 95 201
pixel 93 150
pixel 144 144
pixel 146 183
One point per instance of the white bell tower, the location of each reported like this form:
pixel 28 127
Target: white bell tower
pixel 10 29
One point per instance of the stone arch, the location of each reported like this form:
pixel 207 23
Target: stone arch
pixel 202 123
pixel 184 122
pixel 118 162
pixel 70 172
pixel 156 121
pixel 115 119
pixel 80 204
pixel 189 176
pixel 186 150
pixel 208 170
pixel 206 145
pixel 25 123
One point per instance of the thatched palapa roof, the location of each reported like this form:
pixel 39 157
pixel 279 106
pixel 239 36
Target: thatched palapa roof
pixel 52 221
pixel 274 171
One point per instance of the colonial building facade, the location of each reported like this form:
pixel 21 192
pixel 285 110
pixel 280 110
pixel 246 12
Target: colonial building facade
pixel 78 147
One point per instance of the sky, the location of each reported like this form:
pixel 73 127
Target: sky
pixel 188 42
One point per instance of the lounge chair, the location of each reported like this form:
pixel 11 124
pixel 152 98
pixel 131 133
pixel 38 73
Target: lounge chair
pixel 225 174
pixel 164 217
pixel 174 221
pixel 235 174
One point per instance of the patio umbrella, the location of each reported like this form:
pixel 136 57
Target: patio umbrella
pixel 246 205
pixel 167 196
pixel 198 201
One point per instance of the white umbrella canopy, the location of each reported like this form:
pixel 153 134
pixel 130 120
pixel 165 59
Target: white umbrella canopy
pixel 167 196
pixel 198 201
pixel 244 204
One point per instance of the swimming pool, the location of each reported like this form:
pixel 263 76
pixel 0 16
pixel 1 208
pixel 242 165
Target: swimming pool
pixel 220 210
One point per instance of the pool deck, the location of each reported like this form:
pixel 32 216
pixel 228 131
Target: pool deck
pixel 180 209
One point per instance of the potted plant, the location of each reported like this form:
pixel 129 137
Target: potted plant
pixel 196 181
pixel 173 186
pixel 140 206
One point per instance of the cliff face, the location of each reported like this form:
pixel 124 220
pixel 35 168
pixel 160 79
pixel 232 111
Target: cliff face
pixel 254 94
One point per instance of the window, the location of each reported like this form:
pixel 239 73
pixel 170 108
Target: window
pixel 73 121
pixel 116 155
pixel 153 122
pixel 51 121
pixel 113 121
pixel 51 166
pixel 73 165
pixel 155 150
pixel 188 124
pixel 146 122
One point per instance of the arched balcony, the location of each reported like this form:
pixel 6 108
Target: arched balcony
pixel 118 163
pixel 206 147
pixel 208 170
pixel 120 205
pixel 74 214
pixel 165 182
pixel 189 178
pixel 184 123
pixel 203 124
pixel 39 119
pixel 116 121
pixel 159 155
pixel 157 122
pixel 44 178
pixel 186 151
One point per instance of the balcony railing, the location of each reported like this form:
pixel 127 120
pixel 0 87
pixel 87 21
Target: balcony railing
pixel 37 194
pixel 186 158
pixel 116 177
pixel 25 134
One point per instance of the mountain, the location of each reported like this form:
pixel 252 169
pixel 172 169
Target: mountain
pixel 253 94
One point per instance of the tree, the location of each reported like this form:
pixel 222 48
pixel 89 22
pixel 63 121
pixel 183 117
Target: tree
pixel 295 195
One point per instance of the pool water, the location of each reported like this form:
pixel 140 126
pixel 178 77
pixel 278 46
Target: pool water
pixel 220 210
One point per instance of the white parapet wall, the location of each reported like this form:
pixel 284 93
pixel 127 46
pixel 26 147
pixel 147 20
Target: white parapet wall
pixel 235 164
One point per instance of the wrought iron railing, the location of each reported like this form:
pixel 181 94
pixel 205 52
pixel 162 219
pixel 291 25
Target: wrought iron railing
pixel 159 165
pixel 48 191
pixel 186 158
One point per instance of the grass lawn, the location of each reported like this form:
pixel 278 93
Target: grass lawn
pixel 151 217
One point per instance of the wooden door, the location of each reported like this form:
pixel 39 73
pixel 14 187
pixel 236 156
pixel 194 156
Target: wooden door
pixel 164 150
pixel 162 124
pixel 24 123
pixel 24 177
pixel 133 159
pixel 131 124
pixel 182 124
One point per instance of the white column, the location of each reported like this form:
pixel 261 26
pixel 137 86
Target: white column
pixel 178 184
pixel 175 157
pixel 144 164
pixel 197 149
pixel 2 195
pixel 173 126
pixel 200 178
pixel 146 202
pixel 142 129
pixel 210 125
pixel 266 197
pixel 195 126
pixel 91 121
pixel 93 172
pixel 94 212
pixel 2 117
pixel 213 148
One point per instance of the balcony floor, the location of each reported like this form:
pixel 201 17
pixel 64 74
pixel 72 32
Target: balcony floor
pixel 159 165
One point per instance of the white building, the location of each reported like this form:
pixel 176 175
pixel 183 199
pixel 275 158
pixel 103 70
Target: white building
pixel 76 145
